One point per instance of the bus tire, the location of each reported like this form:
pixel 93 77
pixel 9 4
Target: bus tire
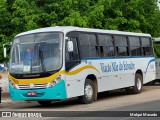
pixel 45 103
pixel 137 88
pixel 89 92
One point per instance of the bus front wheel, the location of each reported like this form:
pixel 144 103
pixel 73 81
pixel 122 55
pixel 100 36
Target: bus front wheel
pixel 45 103
pixel 89 92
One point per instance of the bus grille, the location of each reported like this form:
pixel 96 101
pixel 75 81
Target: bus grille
pixel 32 86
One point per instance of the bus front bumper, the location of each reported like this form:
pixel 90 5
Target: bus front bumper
pixel 57 92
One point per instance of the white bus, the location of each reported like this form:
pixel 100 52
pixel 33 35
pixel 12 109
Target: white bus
pixel 66 62
pixel 157 59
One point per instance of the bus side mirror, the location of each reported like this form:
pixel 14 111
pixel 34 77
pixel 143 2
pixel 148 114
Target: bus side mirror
pixel 70 46
pixel 4 52
pixel 5 49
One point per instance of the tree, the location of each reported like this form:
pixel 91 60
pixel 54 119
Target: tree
pixel 17 16
pixel 24 16
pixel 5 26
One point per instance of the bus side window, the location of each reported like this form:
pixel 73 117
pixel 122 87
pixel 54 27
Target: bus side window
pixel 88 45
pixel 135 47
pixel 106 45
pixel 71 58
pixel 121 45
pixel 146 46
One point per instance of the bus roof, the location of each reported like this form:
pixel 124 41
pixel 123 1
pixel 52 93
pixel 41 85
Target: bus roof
pixel 157 39
pixel 66 29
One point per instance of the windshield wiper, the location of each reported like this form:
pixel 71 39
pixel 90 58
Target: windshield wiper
pixel 42 60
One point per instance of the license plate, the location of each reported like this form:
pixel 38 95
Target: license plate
pixel 32 93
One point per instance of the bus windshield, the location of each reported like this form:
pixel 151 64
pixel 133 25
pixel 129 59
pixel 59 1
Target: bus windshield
pixel 36 53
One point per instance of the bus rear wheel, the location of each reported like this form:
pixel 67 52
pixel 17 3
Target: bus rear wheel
pixel 45 103
pixel 137 88
pixel 89 92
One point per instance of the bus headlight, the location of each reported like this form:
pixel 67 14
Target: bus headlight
pixel 12 84
pixel 55 82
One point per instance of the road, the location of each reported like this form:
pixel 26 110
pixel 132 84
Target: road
pixel 117 100
pixel 141 108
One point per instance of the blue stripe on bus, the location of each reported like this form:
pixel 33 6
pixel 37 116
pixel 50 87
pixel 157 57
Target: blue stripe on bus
pixel 152 60
pixel 117 57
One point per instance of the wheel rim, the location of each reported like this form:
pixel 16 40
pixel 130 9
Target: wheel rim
pixel 139 84
pixel 88 91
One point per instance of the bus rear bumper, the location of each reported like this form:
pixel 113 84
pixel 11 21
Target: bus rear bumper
pixel 57 92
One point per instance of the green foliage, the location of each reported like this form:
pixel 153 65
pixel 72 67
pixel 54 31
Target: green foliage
pixel 17 16
pixel 156 49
